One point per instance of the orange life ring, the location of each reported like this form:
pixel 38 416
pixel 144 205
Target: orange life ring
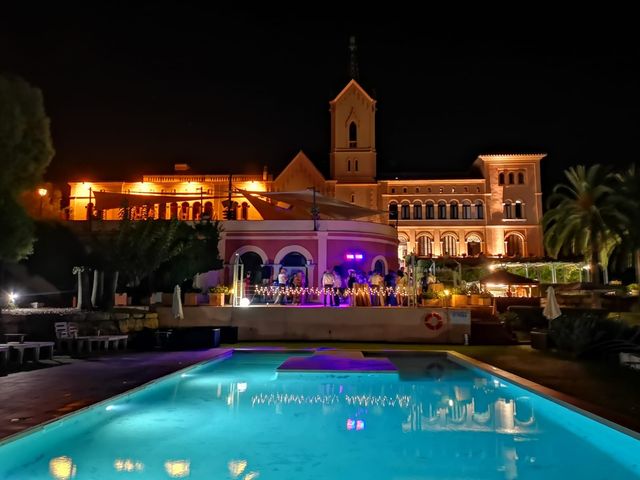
pixel 431 324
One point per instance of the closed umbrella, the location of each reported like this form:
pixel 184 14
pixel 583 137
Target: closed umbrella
pixel 176 304
pixel 551 309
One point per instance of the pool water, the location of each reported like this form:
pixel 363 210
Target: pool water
pixel 237 418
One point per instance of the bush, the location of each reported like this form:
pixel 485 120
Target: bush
pixel 590 334
pixel 512 321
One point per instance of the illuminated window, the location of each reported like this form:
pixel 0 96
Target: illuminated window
pixel 173 210
pixel 196 211
pixel 449 245
pixel 501 178
pixel 425 245
pixel 511 178
pixel 208 210
pixel 184 211
pixel 162 211
pixel 245 211
pixel 514 245
pixel 520 178
pixel 479 209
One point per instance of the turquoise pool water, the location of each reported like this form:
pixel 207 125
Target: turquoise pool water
pixel 238 419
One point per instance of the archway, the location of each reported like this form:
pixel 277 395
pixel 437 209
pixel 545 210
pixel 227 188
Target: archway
pixel 514 245
pixel 474 244
pixel 379 264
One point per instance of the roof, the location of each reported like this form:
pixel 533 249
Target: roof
pixel 353 83
pixel 502 277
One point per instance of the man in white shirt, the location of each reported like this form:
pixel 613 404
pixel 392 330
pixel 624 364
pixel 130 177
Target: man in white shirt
pixel 327 285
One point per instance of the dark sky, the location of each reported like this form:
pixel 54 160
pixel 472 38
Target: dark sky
pixel 133 89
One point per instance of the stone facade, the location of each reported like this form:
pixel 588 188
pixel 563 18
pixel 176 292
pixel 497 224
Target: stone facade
pixel 495 211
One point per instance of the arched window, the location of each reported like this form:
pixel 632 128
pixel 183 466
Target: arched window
pixel 417 211
pixel 405 212
pixel 466 209
pixel 521 178
pixel 348 165
pixel 474 244
pixel 393 211
pixel 245 211
pixel 425 245
pixel 402 247
pixel 195 214
pixel 518 209
pixel 184 211
pixel 479 209
pixel 442 210
pixel 353 135
pixel 511 178
pixel 162 211
pixel 514 245
pixel 454 210
pixel 430 213
pixel 501 178
pixel 173 210
pixel 449 245
pixel 508 211
pixel 208 210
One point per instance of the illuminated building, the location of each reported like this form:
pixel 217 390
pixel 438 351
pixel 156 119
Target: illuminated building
pixel 494 211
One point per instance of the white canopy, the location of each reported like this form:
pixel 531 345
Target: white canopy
pixel 298 205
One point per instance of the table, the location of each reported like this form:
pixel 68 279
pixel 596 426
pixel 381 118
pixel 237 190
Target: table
pixel 17 337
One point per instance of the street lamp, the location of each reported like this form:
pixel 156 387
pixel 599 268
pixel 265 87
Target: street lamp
pixel 42 192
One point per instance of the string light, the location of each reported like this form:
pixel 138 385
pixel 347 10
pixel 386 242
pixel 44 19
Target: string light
pixel 347 292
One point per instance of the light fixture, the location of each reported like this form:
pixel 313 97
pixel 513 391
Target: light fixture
pixel 244 302
pixel 42 192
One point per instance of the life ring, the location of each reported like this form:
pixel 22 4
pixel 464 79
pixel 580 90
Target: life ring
pixel 432 324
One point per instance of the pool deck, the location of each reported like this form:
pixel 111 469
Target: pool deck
pixel 30 398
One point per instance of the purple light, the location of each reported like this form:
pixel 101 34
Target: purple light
pixel 354 256
pixel 359 256
pixel 350 256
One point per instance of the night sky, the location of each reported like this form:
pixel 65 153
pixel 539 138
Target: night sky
pixel 137 89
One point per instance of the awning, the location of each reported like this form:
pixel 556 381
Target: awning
pixel 301 203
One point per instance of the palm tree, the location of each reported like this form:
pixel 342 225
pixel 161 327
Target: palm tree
pixel 583 216
pixel 630 205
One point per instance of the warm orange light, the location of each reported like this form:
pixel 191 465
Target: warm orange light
pixel 177 468
pixel 62 468
pixel 42 192
pixel 236 467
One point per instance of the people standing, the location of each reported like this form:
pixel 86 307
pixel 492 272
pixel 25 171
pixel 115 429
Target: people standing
pixel 337 287
pixel 282 286
pixel 327 286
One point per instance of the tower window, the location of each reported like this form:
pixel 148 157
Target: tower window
pixel 501 178
pixel 520 178
pixel 353 135
pixel 511 179
pixel 356 164
pixel 348 165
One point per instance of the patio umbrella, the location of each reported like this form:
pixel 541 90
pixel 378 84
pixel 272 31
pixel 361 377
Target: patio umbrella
pixel 551 309
pixel 176 304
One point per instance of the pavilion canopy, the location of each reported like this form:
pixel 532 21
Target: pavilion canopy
pixel 502 277
pixel 297 205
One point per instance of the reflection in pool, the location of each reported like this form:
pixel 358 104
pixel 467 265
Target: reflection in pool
pixel 239 419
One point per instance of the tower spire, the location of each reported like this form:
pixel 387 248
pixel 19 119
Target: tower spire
pixel 353 67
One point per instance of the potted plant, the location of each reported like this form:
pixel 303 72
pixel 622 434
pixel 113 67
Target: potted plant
pixel 459 297
pixel 191 298
pixel 217 294
pixel 430 299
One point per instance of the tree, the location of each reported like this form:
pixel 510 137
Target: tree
pixel 25 151
pixel 629 247
pixel 583 216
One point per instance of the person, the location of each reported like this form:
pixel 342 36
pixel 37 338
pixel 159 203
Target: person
pixel 282 285
pixel 296 285
pixel 375 284
pixel 390 283
pixel 337 287
pixel 327 286
pixel 351 282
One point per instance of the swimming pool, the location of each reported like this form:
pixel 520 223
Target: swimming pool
pixel 237 418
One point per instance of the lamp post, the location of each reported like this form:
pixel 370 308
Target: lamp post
pixel 314 210
pixel 42 192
